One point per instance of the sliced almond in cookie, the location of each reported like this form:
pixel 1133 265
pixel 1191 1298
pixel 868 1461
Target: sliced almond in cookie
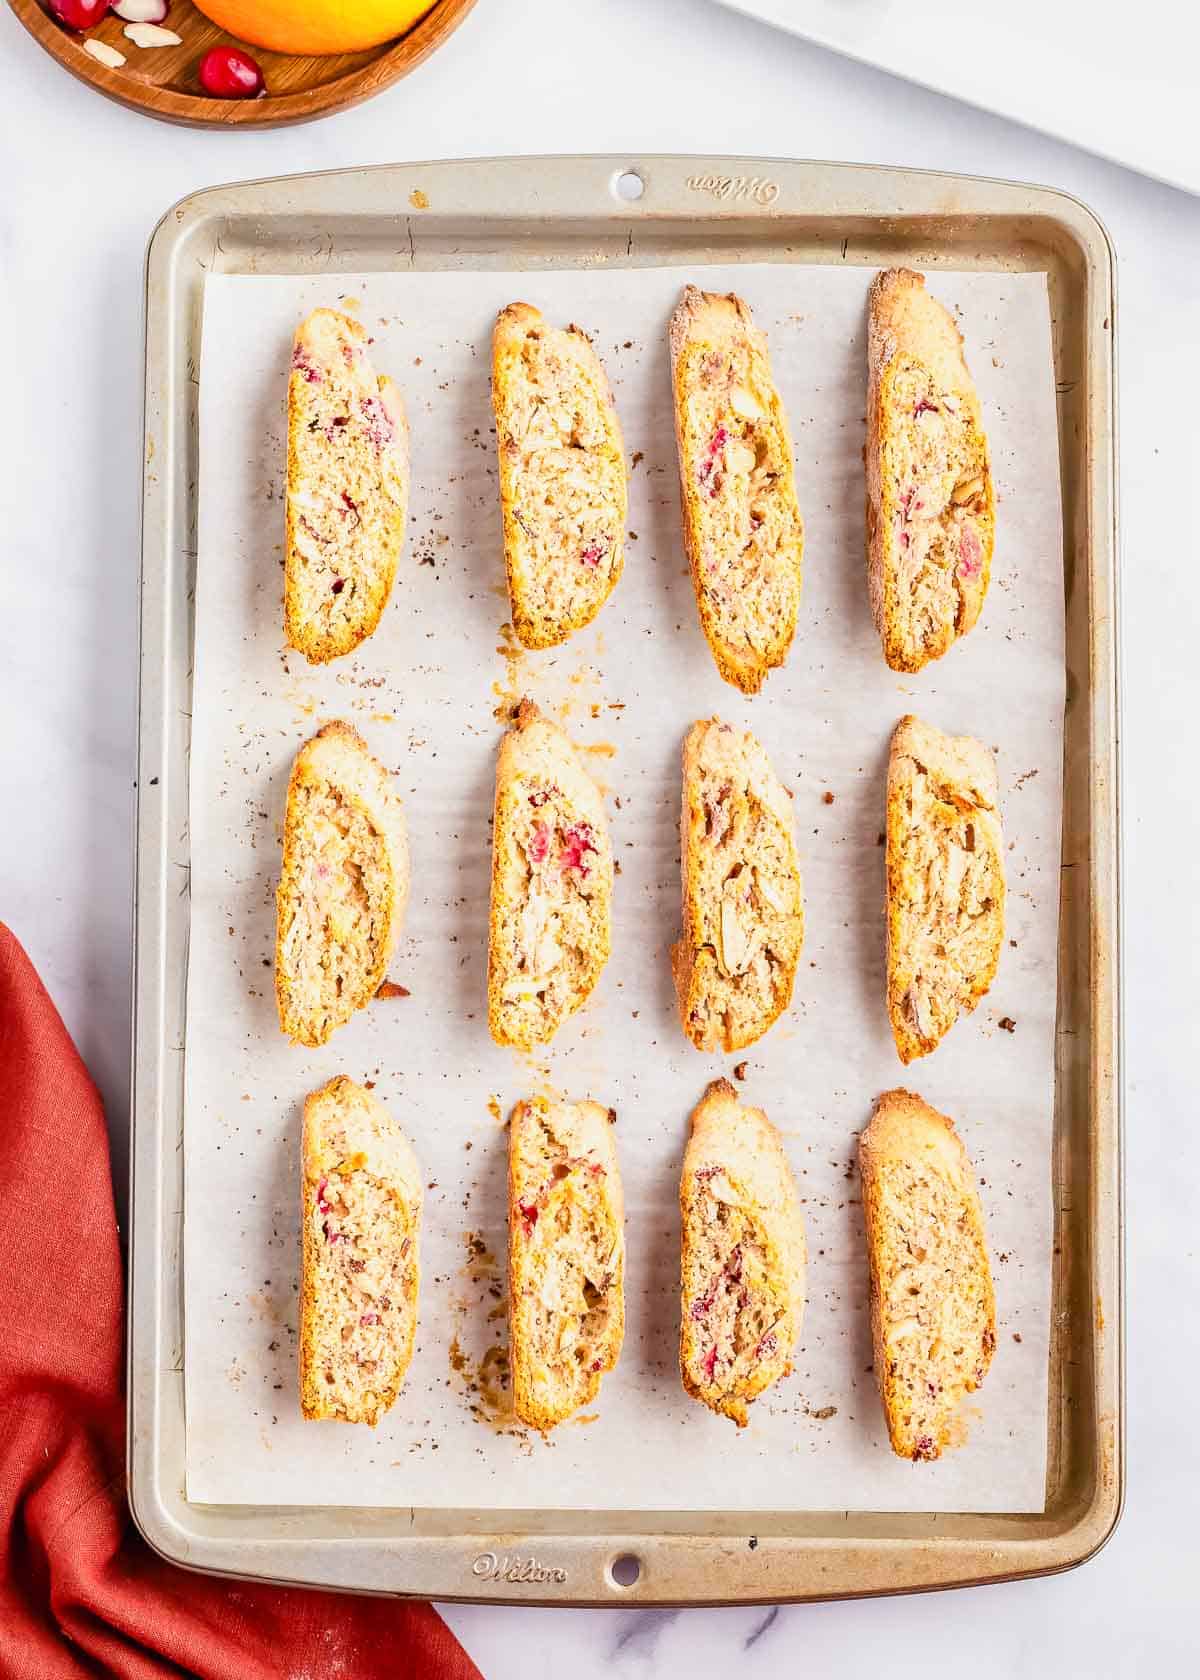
pixel 743 402
pixel 967 490
pixel 770 891
pixel 739 457
pixel 735 939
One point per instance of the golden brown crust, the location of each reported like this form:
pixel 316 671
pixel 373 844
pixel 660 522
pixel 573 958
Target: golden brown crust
pixel 741 521
pixel 549 928
pixel 931 500
pixel 347 488
pixel 354 870
pixel 351 1142
pixel 563 493
pixel 933 1308
pixel 945 882
pixel 743 1256
pixel 566 1257
pixel 743 910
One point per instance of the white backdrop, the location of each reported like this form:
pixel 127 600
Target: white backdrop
pixel 83 184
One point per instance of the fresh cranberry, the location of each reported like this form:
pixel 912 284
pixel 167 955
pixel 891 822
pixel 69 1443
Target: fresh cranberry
pixel 925 407
pixel 710 1362
pixel 322 1204
pixel 592 554
pixel 539 842
pixel 380 429
pixel 529 1215
pixel 369 1318
pixel 80 14
pixel 538 797
pixel 924 1448
pixel 230 73
pixel 338 585
pixel 300 360
pixel 970 551
pixel 576 841
pixel 719 439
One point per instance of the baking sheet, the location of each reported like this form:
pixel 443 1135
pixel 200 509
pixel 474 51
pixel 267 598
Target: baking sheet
pixel 425 690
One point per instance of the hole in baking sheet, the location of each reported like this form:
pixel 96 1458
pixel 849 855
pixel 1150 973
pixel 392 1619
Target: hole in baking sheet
pixel 629 185
pixel 625 1570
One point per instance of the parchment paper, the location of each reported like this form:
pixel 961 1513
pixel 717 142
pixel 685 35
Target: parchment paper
pixel 425 691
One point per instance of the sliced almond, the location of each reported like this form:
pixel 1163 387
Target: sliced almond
pixel 921 1242
pixel 745 403
pixel 770 892
pixel 104 54
pixel 150 35
pixel 903 1330
pixel 548 955
pixel 918 1007
pixel 735 940
pixel 968 489
pixel 524 986
pixel 739 457
pixel 720 1189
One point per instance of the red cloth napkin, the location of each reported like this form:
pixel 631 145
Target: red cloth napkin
pixel 80 1591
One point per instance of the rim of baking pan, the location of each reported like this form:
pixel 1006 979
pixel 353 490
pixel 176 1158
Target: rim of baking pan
pixel 847 212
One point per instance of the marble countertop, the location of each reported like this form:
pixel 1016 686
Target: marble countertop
pixel 84 182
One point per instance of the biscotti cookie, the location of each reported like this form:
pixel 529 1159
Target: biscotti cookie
pixel 741 522
pixel 358 1256
pixel 562 475
pixel 566 1256
pixel 945 882
pixel 344 884
pixel 743 912
pixel 744 1255
pixel 931 504
pixel 933 1312
pixel 552 870
pixel 347 488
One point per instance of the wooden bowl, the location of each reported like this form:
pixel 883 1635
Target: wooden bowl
pixel 162 81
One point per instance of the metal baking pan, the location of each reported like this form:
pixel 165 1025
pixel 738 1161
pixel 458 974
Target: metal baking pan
pixel 567 212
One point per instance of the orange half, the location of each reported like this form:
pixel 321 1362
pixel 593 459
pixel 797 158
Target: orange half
pixel 315 26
